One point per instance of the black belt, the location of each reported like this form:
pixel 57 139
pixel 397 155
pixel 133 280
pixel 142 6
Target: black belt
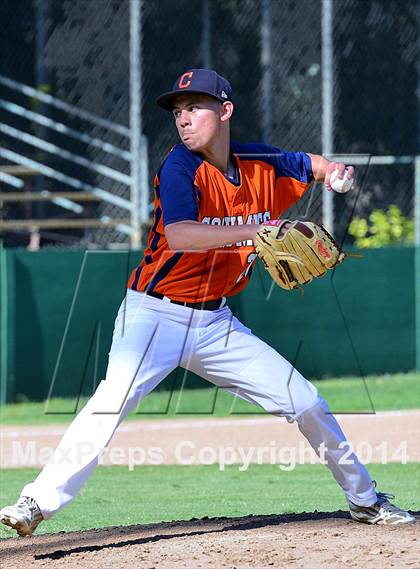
pixel 206 305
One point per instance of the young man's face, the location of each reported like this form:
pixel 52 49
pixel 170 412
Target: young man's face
pixel 197 119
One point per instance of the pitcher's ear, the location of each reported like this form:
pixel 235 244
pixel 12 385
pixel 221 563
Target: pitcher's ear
pixel 226 110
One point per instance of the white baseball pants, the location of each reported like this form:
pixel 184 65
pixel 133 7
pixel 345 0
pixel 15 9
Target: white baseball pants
pixel 153 337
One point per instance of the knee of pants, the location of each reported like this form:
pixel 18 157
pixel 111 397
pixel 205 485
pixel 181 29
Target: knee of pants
pixel 302 395
pixel 275 384
pixel 290 406
pixel 122 386
pixel 111 399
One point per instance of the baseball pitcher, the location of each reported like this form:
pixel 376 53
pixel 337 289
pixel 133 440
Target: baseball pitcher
pixel 218 206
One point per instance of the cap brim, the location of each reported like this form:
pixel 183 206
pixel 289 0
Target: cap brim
pixel 167 99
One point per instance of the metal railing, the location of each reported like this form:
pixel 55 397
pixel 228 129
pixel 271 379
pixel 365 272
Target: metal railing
pixel 18 163
pixel 35 167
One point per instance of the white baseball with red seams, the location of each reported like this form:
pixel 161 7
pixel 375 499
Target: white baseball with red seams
pixel 341 185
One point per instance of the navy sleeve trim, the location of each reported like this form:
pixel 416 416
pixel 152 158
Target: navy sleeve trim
pixel 178 195
pixel 296 165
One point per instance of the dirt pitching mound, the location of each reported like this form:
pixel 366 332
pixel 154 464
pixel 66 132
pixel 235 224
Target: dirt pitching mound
pixel 299 540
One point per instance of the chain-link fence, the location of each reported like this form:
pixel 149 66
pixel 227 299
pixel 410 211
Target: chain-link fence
pixel 270 50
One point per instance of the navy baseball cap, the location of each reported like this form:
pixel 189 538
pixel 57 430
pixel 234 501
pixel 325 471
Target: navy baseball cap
pixel 205 81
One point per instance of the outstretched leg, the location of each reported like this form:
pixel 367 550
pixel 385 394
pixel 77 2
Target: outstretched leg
pixel 137 363
pixel 245 365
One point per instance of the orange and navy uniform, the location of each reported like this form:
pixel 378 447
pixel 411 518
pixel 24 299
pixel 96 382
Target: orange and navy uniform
pixel 267 182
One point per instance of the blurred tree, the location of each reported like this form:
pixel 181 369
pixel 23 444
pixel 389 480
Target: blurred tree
pixel 388 227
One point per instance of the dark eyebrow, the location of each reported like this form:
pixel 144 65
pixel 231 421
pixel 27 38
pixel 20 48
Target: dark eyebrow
pixel 187 103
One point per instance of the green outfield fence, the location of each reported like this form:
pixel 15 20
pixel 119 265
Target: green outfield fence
pixel 58 309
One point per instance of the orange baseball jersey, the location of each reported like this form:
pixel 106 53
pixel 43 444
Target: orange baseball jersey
pixel 266 183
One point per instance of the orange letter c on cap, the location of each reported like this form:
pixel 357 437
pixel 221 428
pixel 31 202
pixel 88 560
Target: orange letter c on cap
pixel 185 80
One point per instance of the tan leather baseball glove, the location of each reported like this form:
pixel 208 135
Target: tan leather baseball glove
pixel 294 252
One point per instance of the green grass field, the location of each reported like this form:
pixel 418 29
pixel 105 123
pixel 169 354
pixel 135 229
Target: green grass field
pixel 114 496
pixel 352 394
